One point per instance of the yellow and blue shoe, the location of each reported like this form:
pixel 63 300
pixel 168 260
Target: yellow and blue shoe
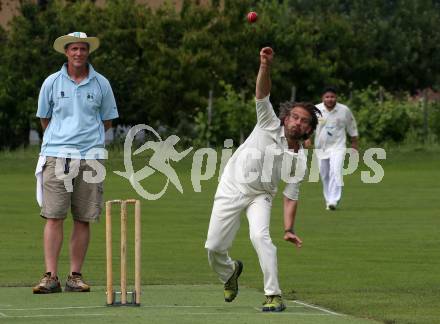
pixel 231 286
pixel 273 304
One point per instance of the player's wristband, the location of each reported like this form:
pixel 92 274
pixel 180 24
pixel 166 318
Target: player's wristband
pixel 290 230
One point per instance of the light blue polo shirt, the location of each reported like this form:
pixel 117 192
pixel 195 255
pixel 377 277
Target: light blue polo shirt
pixel 76 112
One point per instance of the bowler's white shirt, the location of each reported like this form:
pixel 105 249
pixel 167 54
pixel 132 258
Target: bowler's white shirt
pixel 262 154
pixel 331 131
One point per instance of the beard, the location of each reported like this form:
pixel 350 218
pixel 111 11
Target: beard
pixel 294 134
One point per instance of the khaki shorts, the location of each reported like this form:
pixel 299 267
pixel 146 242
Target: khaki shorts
pixel 85 200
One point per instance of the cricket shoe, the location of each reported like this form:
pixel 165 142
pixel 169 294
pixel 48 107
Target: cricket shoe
pixel 47 285
pixel 273 304
pixel 331 207
pixel 231 286
pixel 76 283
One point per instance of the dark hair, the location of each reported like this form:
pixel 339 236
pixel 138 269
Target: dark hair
pixel 286 108
pixel 329 89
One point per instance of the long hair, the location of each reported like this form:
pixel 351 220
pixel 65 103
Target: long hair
pixel 286 108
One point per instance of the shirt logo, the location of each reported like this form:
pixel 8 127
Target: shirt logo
pixel 62 95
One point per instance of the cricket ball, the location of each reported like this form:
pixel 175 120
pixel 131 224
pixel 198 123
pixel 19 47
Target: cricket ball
pixel 252 17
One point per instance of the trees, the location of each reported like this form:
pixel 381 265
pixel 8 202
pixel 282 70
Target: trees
pixel 162 64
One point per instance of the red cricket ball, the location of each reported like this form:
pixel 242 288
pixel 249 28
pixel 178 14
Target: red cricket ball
pixel 252 17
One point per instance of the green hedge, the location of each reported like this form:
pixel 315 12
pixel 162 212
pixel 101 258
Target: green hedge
pixel 162 64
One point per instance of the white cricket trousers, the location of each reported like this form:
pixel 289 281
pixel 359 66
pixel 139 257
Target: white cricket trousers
pixel 331 176
pixel 224 224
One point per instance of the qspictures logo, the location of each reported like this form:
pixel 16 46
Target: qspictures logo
pixel 205 163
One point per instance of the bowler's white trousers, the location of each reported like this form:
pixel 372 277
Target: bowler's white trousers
pixel 330 169
pixel 225 221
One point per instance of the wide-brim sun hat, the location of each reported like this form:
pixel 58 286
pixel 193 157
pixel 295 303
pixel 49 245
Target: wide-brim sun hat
pixel 76 37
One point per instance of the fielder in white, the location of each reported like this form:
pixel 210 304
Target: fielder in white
pixel 249 182
pixel 330 144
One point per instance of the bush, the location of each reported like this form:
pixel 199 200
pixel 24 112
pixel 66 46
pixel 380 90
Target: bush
pixel 233 117
pixel 434 120
pixel 163 63
pixel 382 117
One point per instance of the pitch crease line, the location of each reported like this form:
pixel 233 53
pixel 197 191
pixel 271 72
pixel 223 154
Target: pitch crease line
pixel 59 315
pixel 202 306
pixel 317 307
pixel 142 306
pixel 50 308
pixel 259 312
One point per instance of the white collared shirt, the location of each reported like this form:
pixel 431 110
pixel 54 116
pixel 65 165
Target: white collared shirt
pixel 333 126
pixel 260 158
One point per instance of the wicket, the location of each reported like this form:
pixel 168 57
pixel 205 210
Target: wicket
pixel 136 294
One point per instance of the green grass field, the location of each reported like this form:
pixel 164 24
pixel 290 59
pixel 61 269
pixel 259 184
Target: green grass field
pixel 376 258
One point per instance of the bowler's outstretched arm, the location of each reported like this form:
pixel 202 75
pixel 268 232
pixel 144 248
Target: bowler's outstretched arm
pixel 264 83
